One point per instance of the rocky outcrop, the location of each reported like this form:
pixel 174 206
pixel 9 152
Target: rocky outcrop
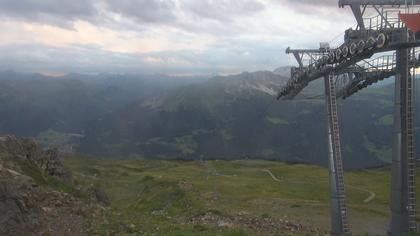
pixel 29 209
pixel 99 195
pixel 54 165
pixel 22 150
pixel 14 218
pixel 26 150
pixel 32 196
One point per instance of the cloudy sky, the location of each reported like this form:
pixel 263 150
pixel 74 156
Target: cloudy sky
pixel 183 37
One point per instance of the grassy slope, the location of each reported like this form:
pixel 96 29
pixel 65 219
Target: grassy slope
pixel 156 197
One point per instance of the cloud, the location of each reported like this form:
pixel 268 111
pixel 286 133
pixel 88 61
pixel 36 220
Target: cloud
pixel 225 57
pixel 223 10
pixel 310 7
pixel 104 13
pixel 61 13
pixel 332 3
pixel 149 11
pixel 131 14
pixel 297 4
pixel 165 36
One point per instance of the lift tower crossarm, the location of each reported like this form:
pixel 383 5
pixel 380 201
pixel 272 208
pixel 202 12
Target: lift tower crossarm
pixel 299 53
pixel 343 3
pixel 310 73
pixel 289 50
pixel 356 6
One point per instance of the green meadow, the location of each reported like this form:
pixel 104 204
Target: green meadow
pixel 223 197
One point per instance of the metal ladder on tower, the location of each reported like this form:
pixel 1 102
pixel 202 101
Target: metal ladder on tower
pixel 411 158
pixel 338 163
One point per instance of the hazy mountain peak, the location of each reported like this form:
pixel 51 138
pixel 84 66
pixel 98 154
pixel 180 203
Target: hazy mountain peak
pixel 283 71
pixel 266 82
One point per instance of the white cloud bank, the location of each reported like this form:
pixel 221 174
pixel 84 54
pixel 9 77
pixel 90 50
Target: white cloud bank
pixel 162 36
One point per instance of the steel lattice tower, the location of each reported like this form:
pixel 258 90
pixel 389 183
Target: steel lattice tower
pixel 346 71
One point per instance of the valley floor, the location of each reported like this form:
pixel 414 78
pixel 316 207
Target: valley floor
pixel 247 197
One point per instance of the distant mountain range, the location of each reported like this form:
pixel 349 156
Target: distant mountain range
pixel 226 117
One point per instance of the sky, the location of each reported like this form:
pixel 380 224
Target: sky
pixel 176 37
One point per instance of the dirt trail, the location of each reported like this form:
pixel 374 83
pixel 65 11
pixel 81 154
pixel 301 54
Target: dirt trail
pixel 371 196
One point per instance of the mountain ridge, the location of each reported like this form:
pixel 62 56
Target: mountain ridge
pixel 224 117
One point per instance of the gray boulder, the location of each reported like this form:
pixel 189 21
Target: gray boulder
pixel 14 218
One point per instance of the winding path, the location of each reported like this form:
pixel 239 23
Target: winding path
pixel 272 175
pixel 372 195
pixel 213 172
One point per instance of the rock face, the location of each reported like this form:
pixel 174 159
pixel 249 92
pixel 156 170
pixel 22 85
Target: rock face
pixel 100 196
pixel 54 166
pixel 31 203
pixel 26 150
pixel 14 218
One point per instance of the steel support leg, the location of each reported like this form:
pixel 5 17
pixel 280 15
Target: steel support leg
pixel 339 224
pixel 403 160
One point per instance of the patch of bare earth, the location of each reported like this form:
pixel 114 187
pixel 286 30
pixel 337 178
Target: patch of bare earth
pixel 30 209
pixel 258 225
pixel 62 215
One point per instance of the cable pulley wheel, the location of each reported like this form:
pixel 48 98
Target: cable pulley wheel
pixel 371 43
pixel 338 54
pixel 353 49
pixel 381 40
pixel 345 51
pixel 361 46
